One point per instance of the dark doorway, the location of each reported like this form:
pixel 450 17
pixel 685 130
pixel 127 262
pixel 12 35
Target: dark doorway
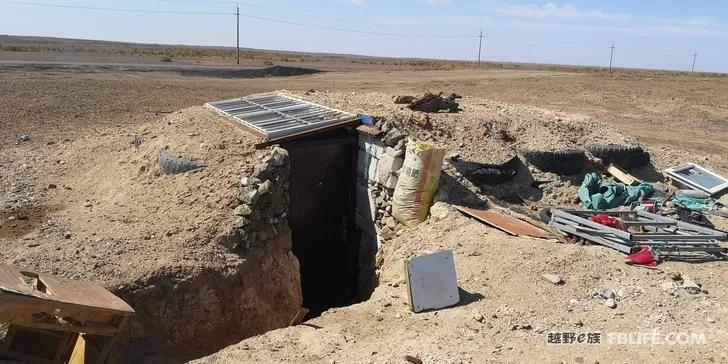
pixel 325 239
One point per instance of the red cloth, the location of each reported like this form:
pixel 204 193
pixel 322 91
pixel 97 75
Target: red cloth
pixel 606 220
pixel 643 258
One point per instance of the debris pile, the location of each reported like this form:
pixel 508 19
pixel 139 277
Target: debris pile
pixel 432 103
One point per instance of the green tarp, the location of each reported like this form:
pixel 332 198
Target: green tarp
pixel 697 203
pixel 598 194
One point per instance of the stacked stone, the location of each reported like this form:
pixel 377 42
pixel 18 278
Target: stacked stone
pixel 379 162
pixel 263 197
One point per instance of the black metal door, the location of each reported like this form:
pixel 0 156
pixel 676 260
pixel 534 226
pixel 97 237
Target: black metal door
pixel 321 219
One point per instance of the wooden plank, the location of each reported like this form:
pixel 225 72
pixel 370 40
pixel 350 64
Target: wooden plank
pixel 621 175
pixel 56 292
pixel 307 133
pixel 369 130
pixel 509 224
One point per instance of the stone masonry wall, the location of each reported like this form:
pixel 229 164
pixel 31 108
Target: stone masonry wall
pixel 263 200
pixel 379 161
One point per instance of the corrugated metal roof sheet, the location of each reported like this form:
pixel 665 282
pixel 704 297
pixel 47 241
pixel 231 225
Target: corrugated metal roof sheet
pixel 276 115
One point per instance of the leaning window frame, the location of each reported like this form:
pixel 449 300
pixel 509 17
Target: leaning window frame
pixel 674 172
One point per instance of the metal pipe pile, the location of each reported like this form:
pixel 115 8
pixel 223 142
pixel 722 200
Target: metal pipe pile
pixel 639 228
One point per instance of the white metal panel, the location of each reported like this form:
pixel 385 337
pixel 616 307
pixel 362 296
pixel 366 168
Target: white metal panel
pixel 432 281
pixel 277 115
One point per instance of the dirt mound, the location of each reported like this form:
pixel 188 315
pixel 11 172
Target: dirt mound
pixel 484 135
pixel 114 218
pixel 274 71
pixel 113 200
pixel 486 131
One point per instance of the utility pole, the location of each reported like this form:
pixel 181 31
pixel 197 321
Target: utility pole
pixel 237 15
pixel 611 55
pixel 480 46
pixel 695 55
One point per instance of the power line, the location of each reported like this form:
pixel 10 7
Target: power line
pixel 199 1
pixel 653 54
pixel 251 16
pixel 353 30
pixel 714 59
pixel 304 13
pixel 114 9
pixel 340 20
pixel 538 45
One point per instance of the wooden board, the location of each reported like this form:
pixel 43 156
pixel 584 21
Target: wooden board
pixel 61 290
pixel 509 224
pixel 622 176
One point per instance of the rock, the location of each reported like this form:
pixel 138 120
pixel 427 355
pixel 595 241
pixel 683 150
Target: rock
pixel 608 294
pixel 440 210
pixel 412 359
pixel 249 181
pixel 554 278
pixel 24 138
pixel 33 244
pixel 249 195
pixel 394 152
pixel 422 120
pixel 87 204
pixel 51 186
pixel 391 182
pixel 675 276
pixel 264 187
pixel 242 222
pixel 262 172
pixel 277 205
pixel 478 317
pixel 393 137
pixel 386 166
pixel 12 218
pixel 387 233
pixel 67 235
pixel 611 303
pixel 669 286
pixel 711 320
pixel 690 286
pixel 404 99
pixel 243 210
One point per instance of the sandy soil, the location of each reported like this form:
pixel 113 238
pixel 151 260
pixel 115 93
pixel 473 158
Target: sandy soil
pixel 78 122
pixel 507 309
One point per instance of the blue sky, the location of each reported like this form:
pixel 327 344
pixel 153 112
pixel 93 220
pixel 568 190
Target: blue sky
pixel 649 33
